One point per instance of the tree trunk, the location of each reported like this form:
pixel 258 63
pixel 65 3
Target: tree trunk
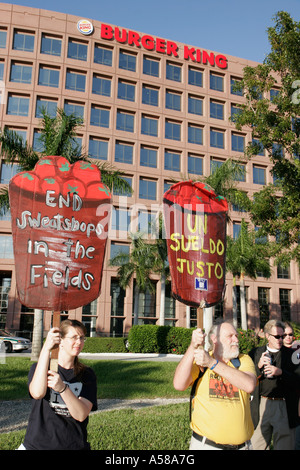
pixel 243 303
pixel 234 304
pixel 136 304
pixel 37 336
pixel 162 300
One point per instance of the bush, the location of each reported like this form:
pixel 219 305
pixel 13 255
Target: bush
pixel 105 345
pixel 248 340
pixel 159 339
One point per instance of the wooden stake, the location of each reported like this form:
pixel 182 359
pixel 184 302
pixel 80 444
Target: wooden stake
pixel 200 318
pixel 54 352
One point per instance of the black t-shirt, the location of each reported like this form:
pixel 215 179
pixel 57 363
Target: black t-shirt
pixel 50 425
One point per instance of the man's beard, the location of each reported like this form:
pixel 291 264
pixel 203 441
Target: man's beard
pixel 228 352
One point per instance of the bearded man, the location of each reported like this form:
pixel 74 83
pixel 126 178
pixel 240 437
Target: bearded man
pixel 222 381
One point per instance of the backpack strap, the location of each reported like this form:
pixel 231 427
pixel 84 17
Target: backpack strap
pixel 235 362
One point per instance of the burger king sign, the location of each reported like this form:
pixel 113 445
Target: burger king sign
pixel 85 27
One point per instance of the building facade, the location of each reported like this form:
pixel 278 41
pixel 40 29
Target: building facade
pixel 156 109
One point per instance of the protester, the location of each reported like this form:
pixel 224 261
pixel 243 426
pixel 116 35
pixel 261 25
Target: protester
pixel 62 400
pixel 288 336
pixel 274 407
pixel 221 416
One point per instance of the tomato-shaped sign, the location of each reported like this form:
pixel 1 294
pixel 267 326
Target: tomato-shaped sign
pixel 60 214
pixel 195 225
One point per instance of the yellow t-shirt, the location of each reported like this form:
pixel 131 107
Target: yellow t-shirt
pixel 221 411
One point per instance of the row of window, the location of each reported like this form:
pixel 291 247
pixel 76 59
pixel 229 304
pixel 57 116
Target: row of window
pixel 78 50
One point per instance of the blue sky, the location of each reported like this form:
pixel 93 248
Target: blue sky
pixel 233 27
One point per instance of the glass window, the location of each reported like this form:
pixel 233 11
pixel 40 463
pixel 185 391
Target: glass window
pixel 101 85
pixel 195 134
pixel 195 165
pixel 150 66
pixel 285 304
pixel 120 219
pixel 98 148
pixel 149 95
pixel 259 175
pixel 127 61
pixel 17 105
pixel 37 144
pixel 172 161
pixel 3 35
pixel 216 110
pixel 173 72
pixel 216 82
pixel 149 126
pixel 217 138
pixel 102 55
pixel 23 41
pixel 236 230
pixel 214 164
pixel 123 153
pixel 77 50
pixel 116 291
pixel 263 303
pixel 237 142
pixel 49 106
pixel 126 90
pixel 147 189
pixel 74 108
pixel 48 77
pixel 1 70
pixel 273 94
pixel 123 192
pixel 75 81
pixel 195 77
pixel 172 130
pixel 235 88
pixel 195 105
pixel 99 116
pixel 6 247
pixel 259 146
pixel 7 172
pixel 173 101
pixel 50 45
pixel 148 157
pixel 125 121
pixel 20 73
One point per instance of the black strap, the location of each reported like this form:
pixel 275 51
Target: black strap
pixel 235 362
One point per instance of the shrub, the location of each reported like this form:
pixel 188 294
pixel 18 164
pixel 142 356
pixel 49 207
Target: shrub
pixel 159 339
pixel 105 345
pixel 248 340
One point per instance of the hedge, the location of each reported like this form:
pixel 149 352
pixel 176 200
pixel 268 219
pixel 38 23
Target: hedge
pixel 105 345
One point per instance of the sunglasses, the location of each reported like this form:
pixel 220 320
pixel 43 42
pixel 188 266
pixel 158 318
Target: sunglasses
pixel 277 336
pixel 288 334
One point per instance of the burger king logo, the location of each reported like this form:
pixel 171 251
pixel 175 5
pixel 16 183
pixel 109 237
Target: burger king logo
pixel 85 27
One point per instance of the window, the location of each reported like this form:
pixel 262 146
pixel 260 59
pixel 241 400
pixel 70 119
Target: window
pixel 8 171
pixel 263 303
pixel 237 142
pixel 48 77
pixel 195 134
pixel 148 157
pixel 240 174
pixel 214 164
pixel 216 82
pixel 236 229
pixel 17 105
pixel 285 304
pixel 195 105
pixel 49 106
pixel 173 72
pixel 5 284
pixel 123 152
pixel 3 35
pixel 216 110
pixel 6 247
pixel 235 87
pixel 75 81
pixel 123 192
pixel 125 121
pixel 195 77
pixel 120 219
pixel 77 50
pixel 235 111
pixel 102 55
pixel 20 73
pixel 147 189
pixel 74 108
pixel 195 165
pixel 172 161
pixel 172 130
pixel 37 144
pixel 116 291
pixel 173 101
pixel 98 148
pixel 149 95
pixel 149 126
pixel 146 222
pixel 283 272
pixel 50 45
pixel 150 66
pixel 99 116
pixel 259 175
pixel 217 138
pixel 101 85
pixel 273 94
pixel 1 70
pixel 126 90
pixel 127 61
pixel 23 41
pixel 258 147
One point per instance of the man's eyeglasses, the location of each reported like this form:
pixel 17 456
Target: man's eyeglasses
pixel 277 336
pixel 288 334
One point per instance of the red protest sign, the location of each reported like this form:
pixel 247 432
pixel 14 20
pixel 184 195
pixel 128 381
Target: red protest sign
pixel 60 214
pixel 195 225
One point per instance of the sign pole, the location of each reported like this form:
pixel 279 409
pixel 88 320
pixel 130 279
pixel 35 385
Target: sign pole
pixel 54 352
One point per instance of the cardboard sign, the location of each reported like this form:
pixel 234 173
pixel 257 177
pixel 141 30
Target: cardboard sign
pixel 195 225
pixel 60 214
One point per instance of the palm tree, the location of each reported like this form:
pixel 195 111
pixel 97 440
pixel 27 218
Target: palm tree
pixel 57 137
pixel 246 256
pixel 139 263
